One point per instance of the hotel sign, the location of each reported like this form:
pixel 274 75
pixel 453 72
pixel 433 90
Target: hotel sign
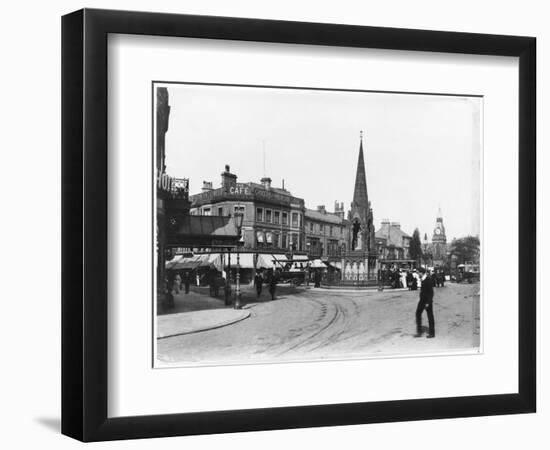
pixel 167 183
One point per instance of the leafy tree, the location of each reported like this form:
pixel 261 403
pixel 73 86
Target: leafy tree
pixel 465 249
pixel 415 248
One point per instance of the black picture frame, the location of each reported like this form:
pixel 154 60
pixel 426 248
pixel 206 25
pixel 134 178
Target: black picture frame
pixel 84 224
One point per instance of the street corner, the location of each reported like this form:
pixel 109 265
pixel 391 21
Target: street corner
pixel 195 321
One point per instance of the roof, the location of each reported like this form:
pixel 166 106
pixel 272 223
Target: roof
pixel 392 234
pixel 323 217
pixel 217 226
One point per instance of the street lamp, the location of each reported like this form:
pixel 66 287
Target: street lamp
pixel 308 246
pixel 238 223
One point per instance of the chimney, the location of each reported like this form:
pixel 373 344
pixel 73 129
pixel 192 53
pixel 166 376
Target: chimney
pixel 339 209
pixel 321 209
pixel 396 225
pixel 206 186
pixel 385 226
pixel 266 182
pixel 228 179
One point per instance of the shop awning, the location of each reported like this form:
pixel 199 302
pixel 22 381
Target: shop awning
pixel 173 261
pixel 189 263
pixel 246 260
pixel 278 259
pixel 317 264
pixel 270 261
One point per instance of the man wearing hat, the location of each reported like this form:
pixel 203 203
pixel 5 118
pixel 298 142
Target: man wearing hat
pixel 425 303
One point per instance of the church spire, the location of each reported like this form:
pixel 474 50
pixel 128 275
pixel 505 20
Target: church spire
pixel 360 196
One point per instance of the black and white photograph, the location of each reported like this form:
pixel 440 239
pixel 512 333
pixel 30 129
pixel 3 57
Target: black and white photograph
pixel 300 224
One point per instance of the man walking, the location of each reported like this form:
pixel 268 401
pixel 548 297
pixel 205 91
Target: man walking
pixel 186 281
pixel 425 303
pixel 258 282
pixel 273 284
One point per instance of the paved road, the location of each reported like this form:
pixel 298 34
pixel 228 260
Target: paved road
pixel 318 324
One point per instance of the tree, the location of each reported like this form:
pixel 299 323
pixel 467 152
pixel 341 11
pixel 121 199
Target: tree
pixel 465 249
pixel 415 248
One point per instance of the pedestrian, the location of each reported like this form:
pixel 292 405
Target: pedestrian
pixel 186 281
pixel 425 303
pixel 273 285
pixel 258 282
pixel 317 278
pixel 409 279
pixel 177 283
pixel 403 277
pixel 415 279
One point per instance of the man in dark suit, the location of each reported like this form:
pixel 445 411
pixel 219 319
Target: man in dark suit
pixel 425 303
pixel 258 282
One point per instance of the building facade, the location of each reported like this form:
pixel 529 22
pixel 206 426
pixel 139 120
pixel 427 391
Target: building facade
pixel 273 219
pixel 326 233
pixel 393 245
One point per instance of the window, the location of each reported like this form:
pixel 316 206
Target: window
pixel 206 212
pixel 260 214
pixel 283 238
pixel 330 230
pixel 268 215
pixel 220 211
pixel 285 221
pixel 294 238
pixel 295 220
pixel 239 210
pixel 311 227
pixel 276 217
pixel 321 227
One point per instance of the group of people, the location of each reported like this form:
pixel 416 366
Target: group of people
pixel 410 279
pixel 270 278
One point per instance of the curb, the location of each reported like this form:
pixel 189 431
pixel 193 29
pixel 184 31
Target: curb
pixel 244 315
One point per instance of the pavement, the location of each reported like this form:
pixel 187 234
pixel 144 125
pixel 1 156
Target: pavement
pixel 197 311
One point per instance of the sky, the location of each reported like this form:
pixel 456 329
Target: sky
pixel 422 152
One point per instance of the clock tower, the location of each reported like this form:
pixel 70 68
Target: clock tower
pixel 439 240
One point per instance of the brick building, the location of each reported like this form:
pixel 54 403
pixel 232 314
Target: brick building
pixel 273 217
pixel 327 233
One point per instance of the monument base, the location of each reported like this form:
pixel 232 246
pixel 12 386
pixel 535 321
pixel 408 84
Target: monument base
pixel 359 271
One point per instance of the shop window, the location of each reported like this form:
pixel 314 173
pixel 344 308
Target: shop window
pixel 206 212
